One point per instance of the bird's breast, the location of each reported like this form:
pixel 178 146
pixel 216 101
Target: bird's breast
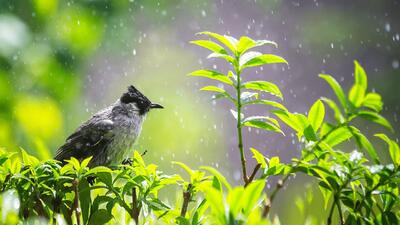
pixel 126 132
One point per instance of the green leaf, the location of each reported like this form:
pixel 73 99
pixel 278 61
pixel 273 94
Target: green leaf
pixel 235 115
pixel 356 95
pixel 226 40
pixel 101 216
pixel 376 118
pixel 185 167
pixel 394 149
pixel 338 136
pixel 360 76
pixel 228 58
pixel 310 134
pixel 223 93
pixel 316 114
pixel 257 122
pixel 28 160
pixel 246 43
pixel 251 59
pixel 289 119
pixel 217 174
pixel 259 158
pixel 337 113
pixel 364 143
pixel 210 45
pixel 86 161
pixel 266 102
pixel 248 96
pixel 373 101
pixel 252 194
pixel 337 89
pixel 214 75
pixel 263 86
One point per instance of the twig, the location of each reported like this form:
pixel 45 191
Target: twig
pixel 77 209
pixel 253 174
pixel 329 220
pixel 135 207
pixel 239 127
pixel 187 195
pixel 340 212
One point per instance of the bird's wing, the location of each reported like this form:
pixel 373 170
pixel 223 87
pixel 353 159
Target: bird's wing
pixel 90 139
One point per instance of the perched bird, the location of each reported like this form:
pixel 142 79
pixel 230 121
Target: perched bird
pixel 110 134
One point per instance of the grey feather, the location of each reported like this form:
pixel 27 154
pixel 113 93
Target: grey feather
pixel 108 136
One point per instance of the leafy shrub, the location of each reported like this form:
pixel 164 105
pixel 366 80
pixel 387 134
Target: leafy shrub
pixel 356 184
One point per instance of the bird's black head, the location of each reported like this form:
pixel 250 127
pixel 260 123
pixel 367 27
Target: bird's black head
pixel 133 95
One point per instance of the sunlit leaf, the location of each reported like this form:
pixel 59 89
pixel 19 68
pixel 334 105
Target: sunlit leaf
pixel 235 114
pixel 228 58
pixel 316 114
pixel 251 59
pixel 223 39
pixel 260 123
pixel 246 43
pixel 252 194
pixel 263 86
pixel 248 96
pixel 336 88
pixel 260 158
pixel 337 113
pixel 210 45
pixel 364 143
pixel 185 167
pixel 338 136
pixel 376 118
pixel 214 75
pixel 216 173
pixel 373 101
pixel 266 102
pixel 356 95
pixel 394 149
pixel 360 76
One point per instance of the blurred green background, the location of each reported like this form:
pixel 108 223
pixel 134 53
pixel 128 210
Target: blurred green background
pixel 61 61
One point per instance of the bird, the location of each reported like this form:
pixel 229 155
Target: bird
pixel 108 136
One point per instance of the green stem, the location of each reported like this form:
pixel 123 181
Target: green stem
pixel 329 220
pixel 239 125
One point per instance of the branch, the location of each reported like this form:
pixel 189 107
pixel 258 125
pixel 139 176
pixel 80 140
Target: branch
pixel 329 220
pixel 77 209
pixel 239 127
pixel 135 207
pixel 187 195
pixel 253 174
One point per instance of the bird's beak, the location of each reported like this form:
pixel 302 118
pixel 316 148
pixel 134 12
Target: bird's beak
pixel 156 106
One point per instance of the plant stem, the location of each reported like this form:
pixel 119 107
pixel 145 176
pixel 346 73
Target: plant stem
pixel 239 126
pixel 135 208
pixel 339 207
pixel 187 195
pixel 253 174
pixel 329 220
pixel 77 209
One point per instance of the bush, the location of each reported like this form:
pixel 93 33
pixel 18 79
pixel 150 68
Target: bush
pixel 356 184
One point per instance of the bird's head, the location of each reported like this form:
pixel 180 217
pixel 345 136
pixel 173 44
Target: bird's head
pixel 138 100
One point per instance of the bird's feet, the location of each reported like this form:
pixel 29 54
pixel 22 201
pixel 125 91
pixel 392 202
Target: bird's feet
pixel 127 161
pixel 91 180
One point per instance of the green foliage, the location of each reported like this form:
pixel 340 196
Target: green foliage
pixel 357 184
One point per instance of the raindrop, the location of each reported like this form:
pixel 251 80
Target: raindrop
pixel 387 27
pixel 331 45
pixel 203 13
pixel 134 52
pixel 395 64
